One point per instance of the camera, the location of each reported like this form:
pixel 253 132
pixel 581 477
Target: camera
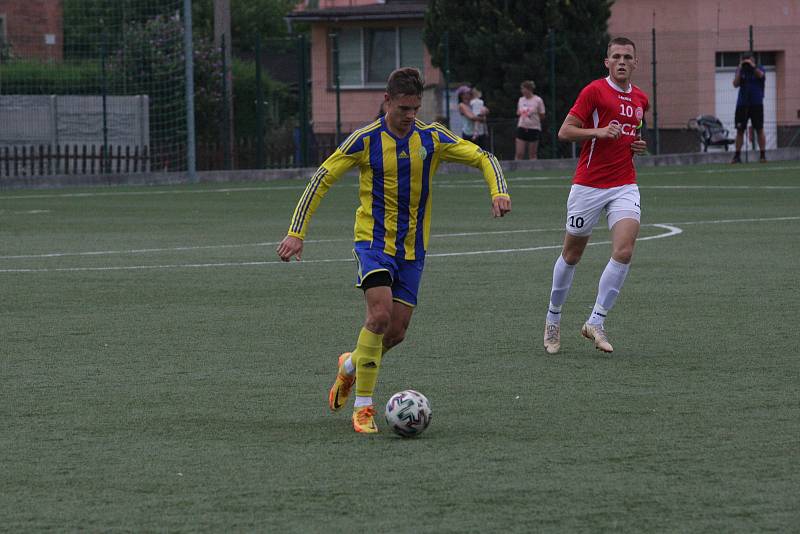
pixel 745 66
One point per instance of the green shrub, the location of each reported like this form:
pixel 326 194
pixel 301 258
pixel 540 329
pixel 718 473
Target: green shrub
pixel 36 78
pixel 279 103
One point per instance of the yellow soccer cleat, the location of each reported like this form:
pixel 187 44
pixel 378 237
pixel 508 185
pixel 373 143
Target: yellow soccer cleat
pixel 552 338
pixel 364 420
pixel 597 333
pixel 337 397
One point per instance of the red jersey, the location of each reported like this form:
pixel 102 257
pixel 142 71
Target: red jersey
pixel 608 163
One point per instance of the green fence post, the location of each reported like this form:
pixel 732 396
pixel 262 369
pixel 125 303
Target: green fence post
pixel 337 85
pixel 303 97
pixel 552 55
pixel 191 150
pixel 259 108
pixel 752 52
pixel 655 98
pixel 226 127
pixel 446 44
pixel 104 163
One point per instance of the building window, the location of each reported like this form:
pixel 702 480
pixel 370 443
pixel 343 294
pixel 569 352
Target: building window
pixel 368 55
pixel 732 59
pixel 380 54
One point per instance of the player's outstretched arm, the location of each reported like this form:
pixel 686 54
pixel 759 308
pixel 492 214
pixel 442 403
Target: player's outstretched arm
pixel 290 247
pixel 459 150
pixel 327 174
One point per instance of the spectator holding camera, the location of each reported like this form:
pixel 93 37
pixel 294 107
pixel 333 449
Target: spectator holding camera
pixel 750 79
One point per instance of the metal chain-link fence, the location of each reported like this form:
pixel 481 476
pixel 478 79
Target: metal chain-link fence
pixel 98 87
pixel 92 87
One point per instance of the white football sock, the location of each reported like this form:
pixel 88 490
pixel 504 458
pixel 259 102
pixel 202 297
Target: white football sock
pixel 362 401
pixel 563 273
pixel 349 368
pixel 608 289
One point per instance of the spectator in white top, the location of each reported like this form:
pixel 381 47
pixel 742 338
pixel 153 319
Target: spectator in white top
pixel 530 110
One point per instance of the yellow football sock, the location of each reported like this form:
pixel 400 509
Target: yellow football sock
pixel 367 359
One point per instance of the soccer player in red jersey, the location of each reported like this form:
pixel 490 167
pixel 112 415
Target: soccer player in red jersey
pixel 607 118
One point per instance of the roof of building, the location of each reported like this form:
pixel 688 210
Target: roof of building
pixel 413 9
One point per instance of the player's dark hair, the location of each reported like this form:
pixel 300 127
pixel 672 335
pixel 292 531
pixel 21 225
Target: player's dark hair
pixel 624 41
pixel 404 81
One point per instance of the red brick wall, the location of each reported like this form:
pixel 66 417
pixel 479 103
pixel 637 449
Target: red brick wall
pixel 27 24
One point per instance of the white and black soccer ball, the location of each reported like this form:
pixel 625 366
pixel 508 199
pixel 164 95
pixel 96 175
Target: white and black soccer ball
pixel 408 413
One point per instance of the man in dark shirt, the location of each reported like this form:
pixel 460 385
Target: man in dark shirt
pixel 750 80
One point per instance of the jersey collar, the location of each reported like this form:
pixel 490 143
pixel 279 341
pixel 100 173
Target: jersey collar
pixel 393 136
pixel 617 87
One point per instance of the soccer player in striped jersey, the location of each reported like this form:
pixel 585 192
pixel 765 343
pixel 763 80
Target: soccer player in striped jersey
pixel 397 156
pixel 607 118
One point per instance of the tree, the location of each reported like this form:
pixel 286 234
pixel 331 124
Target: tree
pixel 248 18
pixel 498 44
pixel 88 24
pixel 92 24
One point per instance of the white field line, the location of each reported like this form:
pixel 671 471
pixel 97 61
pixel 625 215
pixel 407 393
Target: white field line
pixel 478 183
pixel 275 243
pixel 301 185
pixel 248 245
pixel 148 250
pixel 470 185
pixel 672 230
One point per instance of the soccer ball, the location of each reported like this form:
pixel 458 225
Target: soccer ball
pixel 408 413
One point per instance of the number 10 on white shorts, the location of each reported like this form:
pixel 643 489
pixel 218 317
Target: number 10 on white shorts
pixel 585 204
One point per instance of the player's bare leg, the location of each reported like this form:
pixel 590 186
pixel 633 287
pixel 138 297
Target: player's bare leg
pixel 401 318
pixel 574 245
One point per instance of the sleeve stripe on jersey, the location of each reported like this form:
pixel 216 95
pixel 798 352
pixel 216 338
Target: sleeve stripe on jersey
pixel 498 175
pixel 305 200
pixel 355 136
pixel 441 129
pixel 352 138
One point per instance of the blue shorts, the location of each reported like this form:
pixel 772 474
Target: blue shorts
pixel 405 274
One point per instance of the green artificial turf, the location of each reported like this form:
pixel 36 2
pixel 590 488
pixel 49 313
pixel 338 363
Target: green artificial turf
pixel 160 371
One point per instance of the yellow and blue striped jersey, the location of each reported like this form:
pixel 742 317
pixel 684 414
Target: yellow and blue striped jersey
pixel 394 183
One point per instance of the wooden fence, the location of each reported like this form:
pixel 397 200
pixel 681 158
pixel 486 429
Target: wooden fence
pixel 48 160
pixel 44 160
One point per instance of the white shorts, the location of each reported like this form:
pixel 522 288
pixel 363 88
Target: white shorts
pixel 585 204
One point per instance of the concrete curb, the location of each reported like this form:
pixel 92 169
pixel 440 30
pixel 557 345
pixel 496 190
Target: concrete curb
pixel 264 175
